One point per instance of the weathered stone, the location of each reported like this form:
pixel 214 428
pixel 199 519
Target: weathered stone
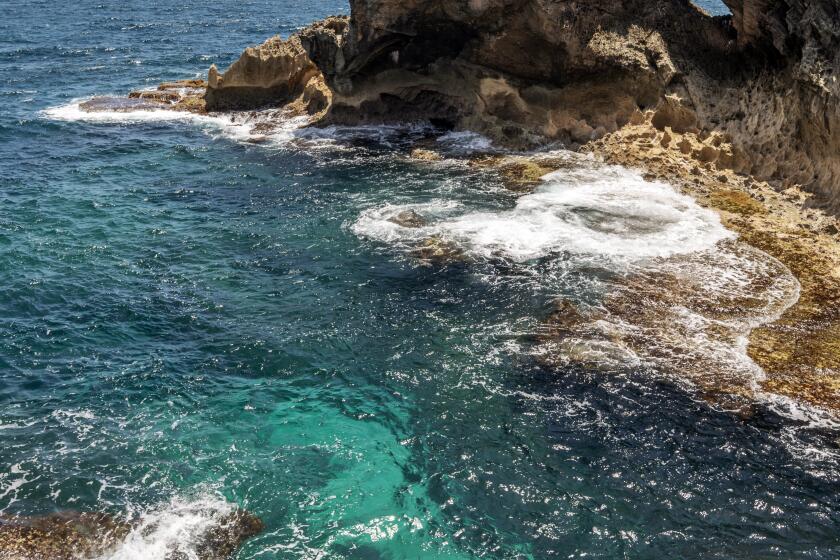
pixel 409 219
pixel 425 155
pixel 437 250
pixel 158 96
pixel 799 353
pixel 74 535
pixel 276 73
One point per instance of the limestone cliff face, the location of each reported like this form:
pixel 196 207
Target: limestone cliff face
pixel 786 114
pixel 275 73
pixel 520 71
pixel 525 72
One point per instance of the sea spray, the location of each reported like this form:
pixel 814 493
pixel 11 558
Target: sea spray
pixel 678 292
pixel 596 211
pixel 179 528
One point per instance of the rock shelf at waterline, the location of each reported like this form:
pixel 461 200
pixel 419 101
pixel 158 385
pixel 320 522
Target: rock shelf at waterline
pixel 591 211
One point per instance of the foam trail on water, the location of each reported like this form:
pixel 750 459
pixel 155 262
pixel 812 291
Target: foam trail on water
pixel 237 126
pixel 73 111
pixel 272 127
pixel 601 211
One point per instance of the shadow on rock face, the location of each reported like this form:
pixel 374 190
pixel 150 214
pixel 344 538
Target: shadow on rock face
pixel 74 535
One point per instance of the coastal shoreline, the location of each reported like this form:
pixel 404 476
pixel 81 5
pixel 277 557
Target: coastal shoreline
pixel 798 352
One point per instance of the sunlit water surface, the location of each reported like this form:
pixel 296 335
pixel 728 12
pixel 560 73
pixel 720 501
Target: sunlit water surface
pixel 192 322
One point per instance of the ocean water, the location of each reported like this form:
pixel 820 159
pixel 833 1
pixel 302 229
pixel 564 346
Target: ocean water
pixel 713 7
pixel 194 318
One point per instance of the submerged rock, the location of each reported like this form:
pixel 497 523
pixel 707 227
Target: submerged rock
pixel 423 154
pixel 436 250
pixel 409 219
pixel 78 536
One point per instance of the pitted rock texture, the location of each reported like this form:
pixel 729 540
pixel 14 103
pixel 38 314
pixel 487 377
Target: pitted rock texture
pixel 275 73
pixel 521 72
pixel 72 535
pixel 526 72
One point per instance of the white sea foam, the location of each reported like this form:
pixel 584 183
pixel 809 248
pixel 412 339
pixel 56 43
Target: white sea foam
pixel 599 211
pixel 682 294
pixel 11 482
pixel 464 143
pixel 73 112
pixel 377 223
pixel 237 126
pixel 172 530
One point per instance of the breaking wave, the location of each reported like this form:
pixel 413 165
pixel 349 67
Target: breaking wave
pixel 177 529
pixel 268 126
pixel 675 289
pixel 599 211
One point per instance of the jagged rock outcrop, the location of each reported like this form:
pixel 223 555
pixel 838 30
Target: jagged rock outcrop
pixel 785 113
pixel 275 73
pixel 524 72
pixel 521 72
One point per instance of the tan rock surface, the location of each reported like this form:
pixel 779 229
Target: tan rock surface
pixel 78 536
pixel 800 353
pixel 276 73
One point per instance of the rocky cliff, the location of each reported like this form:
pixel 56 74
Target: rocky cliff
pixel 276 73
pixel 525 72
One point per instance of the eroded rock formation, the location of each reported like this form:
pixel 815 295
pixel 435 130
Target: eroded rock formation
pixel 741 112
pixel 276 73
pixel 524 72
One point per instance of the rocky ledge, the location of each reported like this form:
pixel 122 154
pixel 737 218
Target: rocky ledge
pixel 800 352
pixel 524 72
pixel 73 535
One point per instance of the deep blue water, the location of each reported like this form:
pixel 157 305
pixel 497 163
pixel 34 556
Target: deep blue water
pixel 188 320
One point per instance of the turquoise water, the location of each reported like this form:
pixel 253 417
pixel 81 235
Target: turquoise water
pixel 191 321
